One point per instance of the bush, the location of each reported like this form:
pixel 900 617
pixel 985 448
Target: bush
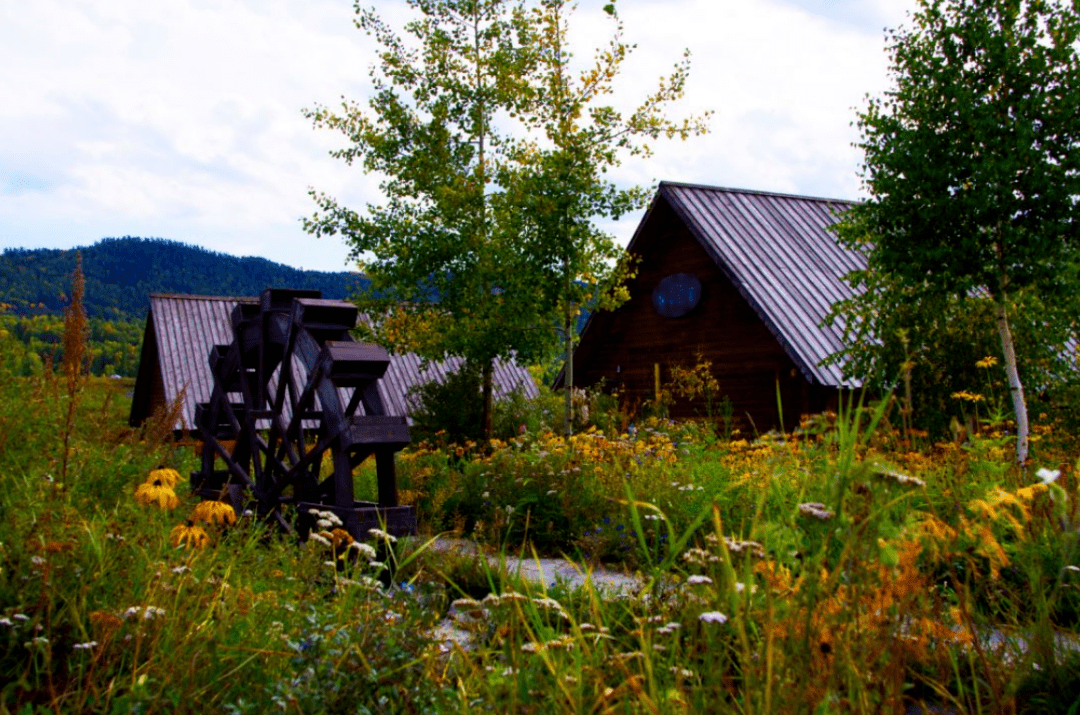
pixel 453 408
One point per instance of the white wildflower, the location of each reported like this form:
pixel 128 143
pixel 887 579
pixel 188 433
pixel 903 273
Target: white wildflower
pixel 1048 476
pixel 89 645
pixel 365 551
pixel 324 523
pixel 564 643
pixel 712 617
pixel 320 539
pixel 1074 569
pixel 179 569
pixel 698 579
pixel 682 672
pixel 752 547
pixel 152 612
pixel 698 556
pixel 37 560
pixel 902 479
pixel 5 621
pixel 816 510
pixel 380 534
pixel 329 516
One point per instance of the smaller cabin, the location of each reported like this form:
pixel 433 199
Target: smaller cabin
pixel 742 279
pixel 181 331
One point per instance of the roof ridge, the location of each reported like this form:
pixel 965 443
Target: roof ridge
pixel 189 296
pixel 756 192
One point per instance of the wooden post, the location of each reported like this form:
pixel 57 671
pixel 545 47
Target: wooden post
pixel 386 475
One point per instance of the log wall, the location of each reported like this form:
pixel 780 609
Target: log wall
pixel 620 349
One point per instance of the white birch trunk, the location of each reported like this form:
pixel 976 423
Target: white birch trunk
pixel 1016 388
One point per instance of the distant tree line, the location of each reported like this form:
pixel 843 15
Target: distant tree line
pixel 120 275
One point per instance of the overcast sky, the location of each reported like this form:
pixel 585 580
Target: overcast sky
pixel 181 119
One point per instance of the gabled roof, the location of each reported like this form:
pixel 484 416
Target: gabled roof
pixel 185 328
pixel 778 252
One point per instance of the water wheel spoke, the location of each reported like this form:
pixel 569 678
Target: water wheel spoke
pixel 291 358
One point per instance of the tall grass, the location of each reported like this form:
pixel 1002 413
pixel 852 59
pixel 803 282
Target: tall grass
pixel 840 568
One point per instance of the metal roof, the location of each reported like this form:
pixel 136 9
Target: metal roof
pixel 779 253
pixel 186 327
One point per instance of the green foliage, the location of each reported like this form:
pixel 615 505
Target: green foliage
pixel 449 412
pixel 823 572
pixel 121 273
pixel 971 167
pixel 34 342
pixel 452 408
pixel 432 128
pixel 495 159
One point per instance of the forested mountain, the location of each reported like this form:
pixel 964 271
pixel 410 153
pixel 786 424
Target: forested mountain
pixel 121 273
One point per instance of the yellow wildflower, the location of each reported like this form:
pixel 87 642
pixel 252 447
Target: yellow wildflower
pixel 156 492
pixel 190 535
pixel 213 512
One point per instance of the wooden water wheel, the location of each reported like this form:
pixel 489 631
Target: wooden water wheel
pixel 292 389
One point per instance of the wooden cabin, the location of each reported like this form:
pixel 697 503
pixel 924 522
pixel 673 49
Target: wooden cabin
pixel 181 330
pixel 740 278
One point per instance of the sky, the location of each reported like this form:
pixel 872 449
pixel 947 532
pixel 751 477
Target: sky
pixel 182 119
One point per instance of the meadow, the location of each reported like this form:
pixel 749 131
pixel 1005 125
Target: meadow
pixel 849 566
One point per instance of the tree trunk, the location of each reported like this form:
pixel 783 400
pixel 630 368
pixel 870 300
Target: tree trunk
pixel 568 377
pixel 488 380
pixel 1016 388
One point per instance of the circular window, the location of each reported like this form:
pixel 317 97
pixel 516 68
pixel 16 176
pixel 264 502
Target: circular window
pixel 676 295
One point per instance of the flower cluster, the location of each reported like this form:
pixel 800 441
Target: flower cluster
pixel 158 489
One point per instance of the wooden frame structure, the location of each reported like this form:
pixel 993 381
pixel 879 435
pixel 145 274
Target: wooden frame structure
pixel 292 363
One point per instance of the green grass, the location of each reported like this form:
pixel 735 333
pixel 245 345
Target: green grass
pixel 904 593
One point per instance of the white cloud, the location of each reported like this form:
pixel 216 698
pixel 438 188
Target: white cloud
pixel 182 118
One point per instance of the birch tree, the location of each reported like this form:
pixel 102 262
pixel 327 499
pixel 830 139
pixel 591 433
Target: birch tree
pixel 494 155
pixel 972 166
pixel 577 134
pixel 447 279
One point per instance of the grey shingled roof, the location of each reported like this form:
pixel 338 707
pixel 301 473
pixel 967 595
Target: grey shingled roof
pixel 186 327
pixel 778 252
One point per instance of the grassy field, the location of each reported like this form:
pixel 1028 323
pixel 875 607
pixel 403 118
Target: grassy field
pixel 840 569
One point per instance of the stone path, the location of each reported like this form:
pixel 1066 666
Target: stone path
pixel 547 572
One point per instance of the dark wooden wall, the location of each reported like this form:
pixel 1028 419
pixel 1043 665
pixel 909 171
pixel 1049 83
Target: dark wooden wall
pixel 621 348
pixel 149 392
